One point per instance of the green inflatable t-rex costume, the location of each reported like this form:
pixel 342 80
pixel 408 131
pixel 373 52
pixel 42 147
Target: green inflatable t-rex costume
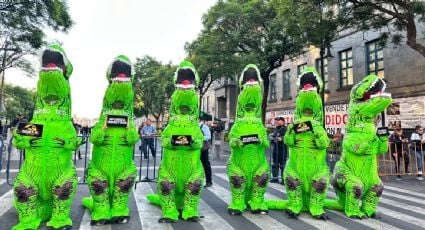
pixel 45 186
pixel 306 173
pixel 112 171
pixel 248 169
pixel 181 174
pixel 356 175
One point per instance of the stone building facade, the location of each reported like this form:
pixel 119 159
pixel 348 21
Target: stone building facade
pixel 354 56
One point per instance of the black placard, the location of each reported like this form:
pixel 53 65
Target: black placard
pixel 382 131
pixel 116 121
pixel 181 140
pixel 250 139
pixel 303 127
pixel 28 129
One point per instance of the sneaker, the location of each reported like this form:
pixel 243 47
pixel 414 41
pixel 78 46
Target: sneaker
pixel 419 178
pixel 207 185
pixel 398 177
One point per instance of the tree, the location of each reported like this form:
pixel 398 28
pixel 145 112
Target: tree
pixel 391 17
pixel 242 32
pixel 153 86
pixel 212 62
pixel 310 23
pixel 21 30
pixel 18 100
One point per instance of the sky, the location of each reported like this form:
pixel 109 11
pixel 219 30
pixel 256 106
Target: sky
pixel 106 28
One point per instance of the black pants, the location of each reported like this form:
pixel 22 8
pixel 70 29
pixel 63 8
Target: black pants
pixel 279 160
pixel 207 166
pixel 148 142
pixel 399 160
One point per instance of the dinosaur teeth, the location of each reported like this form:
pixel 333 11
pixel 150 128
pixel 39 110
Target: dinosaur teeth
pixel 121 79
pixel 50 68
pixel 185 86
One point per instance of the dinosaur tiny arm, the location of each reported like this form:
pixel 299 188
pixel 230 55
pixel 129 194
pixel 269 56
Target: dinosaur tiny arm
pixel 289 138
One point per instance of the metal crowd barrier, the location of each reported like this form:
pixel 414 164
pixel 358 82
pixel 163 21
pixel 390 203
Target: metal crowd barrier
pixel 402 159
pixel 333 154
pixel 147 169
pixel 2 149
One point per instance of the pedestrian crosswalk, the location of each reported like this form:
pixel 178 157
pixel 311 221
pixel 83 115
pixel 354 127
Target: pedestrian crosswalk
pixel 400 208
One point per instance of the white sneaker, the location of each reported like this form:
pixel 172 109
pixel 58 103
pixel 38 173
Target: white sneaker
pixel 419 178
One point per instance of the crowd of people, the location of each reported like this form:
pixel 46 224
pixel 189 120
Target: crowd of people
pixel 401 146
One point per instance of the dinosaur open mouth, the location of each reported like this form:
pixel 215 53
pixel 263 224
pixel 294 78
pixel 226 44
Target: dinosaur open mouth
pixel 51 99
pixel 250 107
pixel 184 109
pixel 185 79
pixel 118 105
pixel 308 82
pixel 250 77
pixel 120 72
pixel 52 60
pixel 377 89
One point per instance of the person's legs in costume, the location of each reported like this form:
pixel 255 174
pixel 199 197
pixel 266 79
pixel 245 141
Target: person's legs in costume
pixel 293 187
pixel 371 199
pixel 167 196
pixel 259 187
pixel 26 193
pixel 319 187
pixel 64 190
pixel 237 185
pixel 192 194
pixel 122 189
pixel 99 189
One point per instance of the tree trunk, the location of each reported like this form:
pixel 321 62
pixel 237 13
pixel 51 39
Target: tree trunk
pixel 266 82
pixel 411 36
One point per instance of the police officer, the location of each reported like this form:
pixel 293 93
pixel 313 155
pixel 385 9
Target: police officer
pixel 279 151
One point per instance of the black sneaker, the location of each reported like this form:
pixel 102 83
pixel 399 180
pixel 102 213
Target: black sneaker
pixel 207 185
pixel 398 177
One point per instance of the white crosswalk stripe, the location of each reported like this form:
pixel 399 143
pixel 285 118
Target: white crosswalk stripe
pixel 317 223
pixel 148 213
pixel 373 223
pixel 410 213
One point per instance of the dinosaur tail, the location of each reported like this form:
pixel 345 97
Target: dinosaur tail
pixel 88 203
pixel 333 204
pixel 277 204
pixel 154 199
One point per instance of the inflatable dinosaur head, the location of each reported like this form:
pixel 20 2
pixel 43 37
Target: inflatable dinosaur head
pixel 368 97
pixel 53 87
pixel 250 98
pixel 186 76
pixel 119 94
pixel 309 102
pixel 184 100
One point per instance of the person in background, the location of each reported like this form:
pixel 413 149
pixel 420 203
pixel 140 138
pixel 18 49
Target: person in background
pixel 397 140
pixel 279 151
pixel 418 147
pixel 147 135
pixel 338 136
pixel 204 153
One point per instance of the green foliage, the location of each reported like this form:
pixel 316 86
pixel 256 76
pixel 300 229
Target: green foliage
pixel 236 33
pixel 18 100
pixel 21 29
pixel 394 19
pixel 153 86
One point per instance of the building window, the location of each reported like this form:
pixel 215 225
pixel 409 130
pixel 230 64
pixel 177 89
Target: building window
pixel 300 69
pixel 346 67
pixel 375 58
pixel 325 75
pixel 286 76
pixel 272 89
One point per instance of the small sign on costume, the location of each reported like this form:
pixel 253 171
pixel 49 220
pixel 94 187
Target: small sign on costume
pixel 250 139
pixel 116 121
pixel 181 140
pixel 303 127
pixel 28 129
pixel 382 131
